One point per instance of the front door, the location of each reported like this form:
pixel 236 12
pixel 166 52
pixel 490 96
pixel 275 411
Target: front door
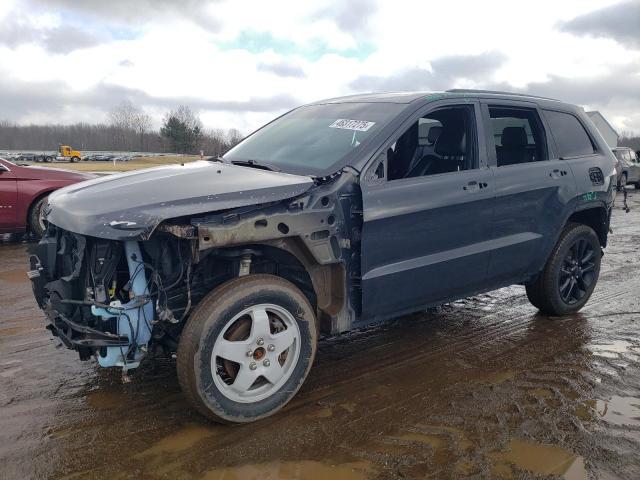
pixel 427 219
pixel 8 198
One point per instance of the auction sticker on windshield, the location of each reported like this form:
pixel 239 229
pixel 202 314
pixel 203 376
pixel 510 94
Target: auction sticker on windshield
pixel 359 125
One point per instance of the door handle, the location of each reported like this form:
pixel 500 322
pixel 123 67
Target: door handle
pixel 474 186
pixel 557 173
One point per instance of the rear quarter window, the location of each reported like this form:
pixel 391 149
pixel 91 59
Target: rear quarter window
pixel 572 140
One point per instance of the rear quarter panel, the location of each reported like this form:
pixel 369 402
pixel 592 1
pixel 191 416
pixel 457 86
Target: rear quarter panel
pixel 590 194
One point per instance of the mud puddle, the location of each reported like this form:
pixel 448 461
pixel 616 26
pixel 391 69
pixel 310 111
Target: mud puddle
pixel 16 275
pixel 480 388
pixel 620 410
pixel 539 459
pixel 309 470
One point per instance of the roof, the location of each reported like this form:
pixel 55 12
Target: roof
pixel 390 97
pixel 408 97
pixel 595 113
pixel 498 93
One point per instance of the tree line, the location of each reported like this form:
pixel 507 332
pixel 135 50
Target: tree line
pixel 629 140
pixel 128 129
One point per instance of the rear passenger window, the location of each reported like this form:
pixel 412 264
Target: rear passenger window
pixel 572 140
pixel 517 135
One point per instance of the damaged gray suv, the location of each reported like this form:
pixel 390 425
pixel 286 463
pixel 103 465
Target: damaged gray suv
pixel 333 216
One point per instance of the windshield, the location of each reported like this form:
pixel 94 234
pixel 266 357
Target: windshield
pixel 314 138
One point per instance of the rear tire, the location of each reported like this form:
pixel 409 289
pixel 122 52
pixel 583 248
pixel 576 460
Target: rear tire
pixel 250 320
pixel 36 217
pixel 570 274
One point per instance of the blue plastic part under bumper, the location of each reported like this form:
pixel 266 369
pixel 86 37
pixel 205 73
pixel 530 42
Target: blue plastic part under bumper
pixel 134 317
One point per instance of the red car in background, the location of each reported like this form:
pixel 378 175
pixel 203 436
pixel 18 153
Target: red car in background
pixel 24 191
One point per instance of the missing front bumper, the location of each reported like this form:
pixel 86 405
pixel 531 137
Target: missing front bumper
pixel 117 333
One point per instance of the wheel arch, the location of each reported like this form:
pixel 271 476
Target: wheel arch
pixel 35 200
pixel 595 217
pixel 289 258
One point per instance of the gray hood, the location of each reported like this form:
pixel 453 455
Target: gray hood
pixel 131 205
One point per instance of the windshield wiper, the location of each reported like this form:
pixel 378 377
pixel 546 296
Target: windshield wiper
pixel 255 164
pixel 216 159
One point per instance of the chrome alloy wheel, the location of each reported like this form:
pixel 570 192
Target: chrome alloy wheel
pixel 255 353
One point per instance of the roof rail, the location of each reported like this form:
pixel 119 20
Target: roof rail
pixel 497 92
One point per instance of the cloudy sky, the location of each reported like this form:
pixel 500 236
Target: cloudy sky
pixel 239 63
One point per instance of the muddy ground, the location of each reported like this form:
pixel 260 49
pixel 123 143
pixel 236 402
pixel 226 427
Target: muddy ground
pixel 480 388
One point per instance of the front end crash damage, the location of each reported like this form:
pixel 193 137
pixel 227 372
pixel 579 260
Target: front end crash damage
pixel 92 303
pixel 118 299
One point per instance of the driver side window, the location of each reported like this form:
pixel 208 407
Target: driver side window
pixel 442 141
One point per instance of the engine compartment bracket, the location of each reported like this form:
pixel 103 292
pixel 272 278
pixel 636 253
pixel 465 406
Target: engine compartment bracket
pixel 134 318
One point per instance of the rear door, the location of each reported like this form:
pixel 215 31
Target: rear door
pixel 532 189
pixel 8 198
pixel 425 237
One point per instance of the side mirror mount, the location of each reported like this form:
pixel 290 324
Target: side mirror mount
pixel 378 169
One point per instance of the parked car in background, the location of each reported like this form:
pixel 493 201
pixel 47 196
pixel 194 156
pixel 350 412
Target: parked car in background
pixel 629 167
pixel 24 191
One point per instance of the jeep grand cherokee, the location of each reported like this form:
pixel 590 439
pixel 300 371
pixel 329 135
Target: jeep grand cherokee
pixel 333 216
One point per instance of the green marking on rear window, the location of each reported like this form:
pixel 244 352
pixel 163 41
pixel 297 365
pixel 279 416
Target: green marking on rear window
pixel 588 197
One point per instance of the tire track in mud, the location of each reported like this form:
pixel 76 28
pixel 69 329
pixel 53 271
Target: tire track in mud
pixel 503 326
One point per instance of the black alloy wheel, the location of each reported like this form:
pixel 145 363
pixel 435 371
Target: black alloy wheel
pixel 577 273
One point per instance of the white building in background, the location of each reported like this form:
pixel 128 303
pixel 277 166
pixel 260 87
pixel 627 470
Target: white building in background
pixel 605 128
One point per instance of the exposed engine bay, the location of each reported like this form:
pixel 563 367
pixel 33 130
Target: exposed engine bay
pixel 117 299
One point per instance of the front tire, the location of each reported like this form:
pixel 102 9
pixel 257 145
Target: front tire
pixel 247 348
pixel 570 274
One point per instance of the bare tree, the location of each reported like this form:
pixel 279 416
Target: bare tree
pixel 142 124
pixel 122 119
pixel 126 119
pixel 234 137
